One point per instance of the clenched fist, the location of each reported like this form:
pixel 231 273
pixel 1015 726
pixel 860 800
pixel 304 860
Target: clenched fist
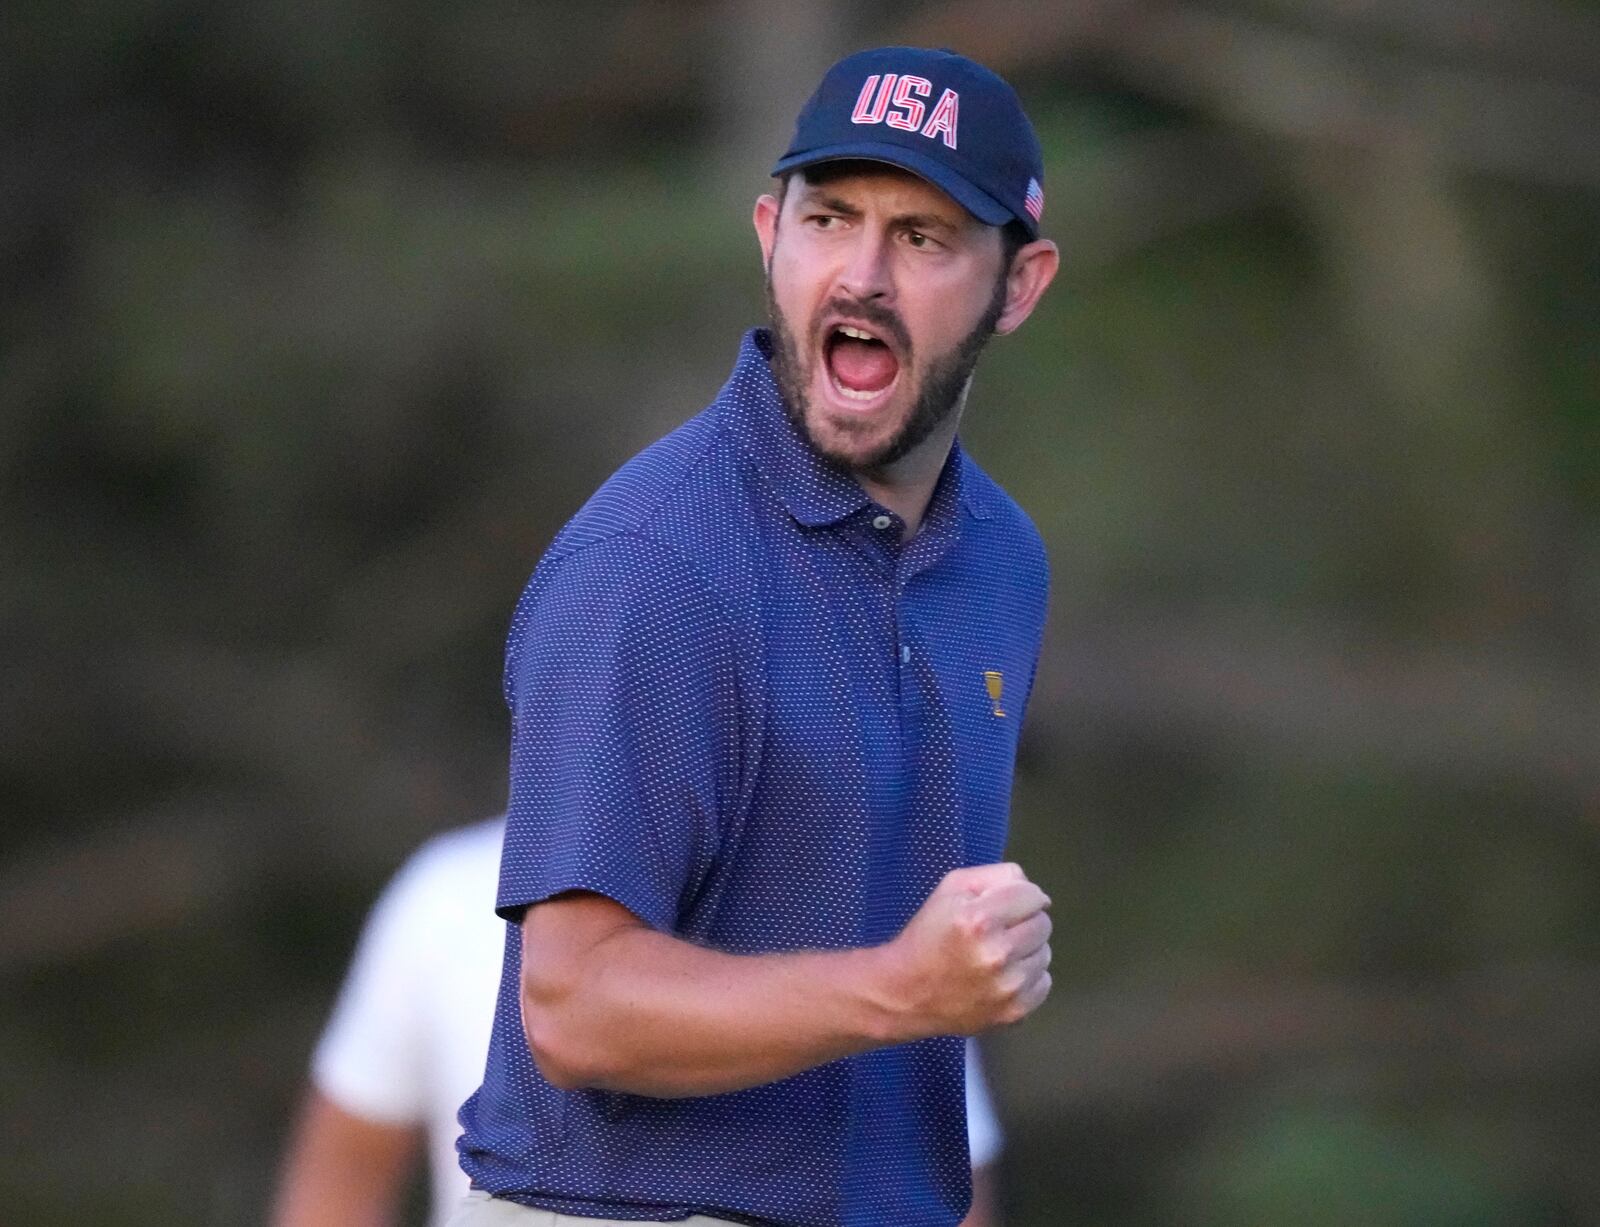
pixel 976 954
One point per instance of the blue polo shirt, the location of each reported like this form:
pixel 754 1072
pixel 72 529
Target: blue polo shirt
pixel 749 713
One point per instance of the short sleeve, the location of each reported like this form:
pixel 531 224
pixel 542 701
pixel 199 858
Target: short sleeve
pixel 626 729
pixel 369 1059
pixel 983 1128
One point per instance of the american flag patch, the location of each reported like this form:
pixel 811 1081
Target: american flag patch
pixel 1034 201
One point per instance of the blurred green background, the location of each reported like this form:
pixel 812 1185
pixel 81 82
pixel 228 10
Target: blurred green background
pixel 316 323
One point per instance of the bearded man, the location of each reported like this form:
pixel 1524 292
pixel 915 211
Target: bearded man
pixel 766 688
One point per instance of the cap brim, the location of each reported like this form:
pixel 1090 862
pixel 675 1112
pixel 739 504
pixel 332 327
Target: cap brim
pixel 973 199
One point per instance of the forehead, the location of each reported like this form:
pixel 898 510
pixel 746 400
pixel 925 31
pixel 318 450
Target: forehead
pixel 879 186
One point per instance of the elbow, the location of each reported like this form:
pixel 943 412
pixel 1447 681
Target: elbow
pixel 575 1030
pixel 570 1056
pixel 556 1064
pixel 562 1057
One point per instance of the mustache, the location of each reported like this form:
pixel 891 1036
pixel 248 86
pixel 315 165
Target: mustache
pixel 879 317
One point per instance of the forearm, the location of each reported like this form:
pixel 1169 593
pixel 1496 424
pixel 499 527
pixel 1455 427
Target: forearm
pixel 608 1002
pixel 654 1015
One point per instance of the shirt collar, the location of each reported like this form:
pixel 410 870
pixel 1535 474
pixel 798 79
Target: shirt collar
pixel 815 490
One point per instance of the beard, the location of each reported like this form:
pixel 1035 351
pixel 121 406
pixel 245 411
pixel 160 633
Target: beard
pixel 940 387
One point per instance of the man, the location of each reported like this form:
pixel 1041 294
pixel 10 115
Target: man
pixel 405 1046
pixel 765 693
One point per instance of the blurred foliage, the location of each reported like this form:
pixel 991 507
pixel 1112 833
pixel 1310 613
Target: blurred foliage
pixel 1322 1169
pixel 318 322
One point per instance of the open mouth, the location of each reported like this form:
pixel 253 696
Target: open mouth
pixel 861 366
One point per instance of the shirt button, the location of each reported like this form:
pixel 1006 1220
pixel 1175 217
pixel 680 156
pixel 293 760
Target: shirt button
pixel 905 653
pixel 881 522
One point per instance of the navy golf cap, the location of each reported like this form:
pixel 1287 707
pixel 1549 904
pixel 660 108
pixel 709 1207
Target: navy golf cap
pixel 934 113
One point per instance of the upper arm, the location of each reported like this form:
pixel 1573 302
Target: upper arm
pixel 561 953
pixel 627 732
pixel 560 937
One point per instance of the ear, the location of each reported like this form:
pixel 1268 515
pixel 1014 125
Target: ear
pixel 1033 268
pixel 766 221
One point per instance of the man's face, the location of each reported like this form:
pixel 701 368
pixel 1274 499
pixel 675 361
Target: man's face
pixel 882 292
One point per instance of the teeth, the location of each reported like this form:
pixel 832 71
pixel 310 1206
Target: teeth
pixel 853 394
pixel 856 333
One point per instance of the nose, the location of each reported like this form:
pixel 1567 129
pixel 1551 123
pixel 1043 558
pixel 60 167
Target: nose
pixel 865 274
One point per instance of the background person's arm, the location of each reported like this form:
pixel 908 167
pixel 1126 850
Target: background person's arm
pixel 359 1136
pixel 985 1210
pixel 343 1170
pixel 609 1002
pixel 984 1143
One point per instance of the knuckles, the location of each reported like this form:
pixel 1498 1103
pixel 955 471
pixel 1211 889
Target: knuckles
pixel 990 960
pixel 974 924
pixel 982 877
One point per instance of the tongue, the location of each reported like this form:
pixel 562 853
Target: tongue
pixel 862 366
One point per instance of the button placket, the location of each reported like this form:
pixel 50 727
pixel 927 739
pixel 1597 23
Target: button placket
pixel 902 624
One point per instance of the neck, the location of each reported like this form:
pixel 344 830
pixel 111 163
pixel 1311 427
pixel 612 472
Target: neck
pixel 906 486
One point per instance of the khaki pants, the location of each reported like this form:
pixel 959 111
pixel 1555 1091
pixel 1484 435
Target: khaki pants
pixel 481 1210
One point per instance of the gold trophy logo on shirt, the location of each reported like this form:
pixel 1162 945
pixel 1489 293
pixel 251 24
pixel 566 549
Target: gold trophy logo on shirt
pixel 995 685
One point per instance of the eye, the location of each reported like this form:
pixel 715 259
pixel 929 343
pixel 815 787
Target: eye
pixel 824 221
pixel 920 241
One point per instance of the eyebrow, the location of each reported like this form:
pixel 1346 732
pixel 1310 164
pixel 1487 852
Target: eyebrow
pixel 913 221
pixel 926 221
pixel 833 204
